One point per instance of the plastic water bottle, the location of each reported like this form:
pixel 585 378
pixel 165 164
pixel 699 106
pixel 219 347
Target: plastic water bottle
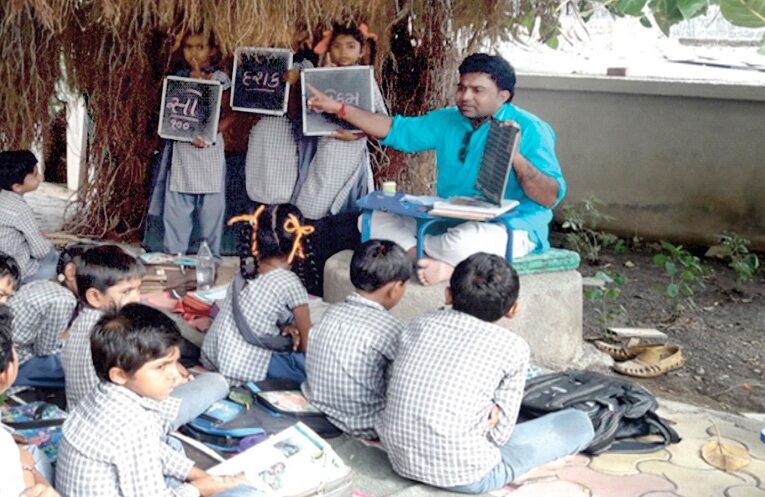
pixel 205 267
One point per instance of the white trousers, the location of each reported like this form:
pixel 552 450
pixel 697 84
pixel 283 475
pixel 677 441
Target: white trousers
pixel 457 244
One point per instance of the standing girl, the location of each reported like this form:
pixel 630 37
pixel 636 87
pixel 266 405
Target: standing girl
pixel 262 328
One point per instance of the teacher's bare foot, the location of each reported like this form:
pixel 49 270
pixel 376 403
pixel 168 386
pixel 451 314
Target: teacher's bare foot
pixel 430 271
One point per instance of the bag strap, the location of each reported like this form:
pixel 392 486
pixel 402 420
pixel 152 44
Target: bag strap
pixel 278 343
pixel 657 426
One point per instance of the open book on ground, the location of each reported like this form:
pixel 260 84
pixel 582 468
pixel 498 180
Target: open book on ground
pixel 293 463
pixel 471 208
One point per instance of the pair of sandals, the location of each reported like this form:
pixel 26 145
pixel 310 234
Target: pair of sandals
pixel 643 360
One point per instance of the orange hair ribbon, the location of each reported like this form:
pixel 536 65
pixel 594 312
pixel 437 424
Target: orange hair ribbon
pixel 253 220
pixel 292 225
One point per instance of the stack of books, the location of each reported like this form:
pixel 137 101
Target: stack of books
pixel 470 208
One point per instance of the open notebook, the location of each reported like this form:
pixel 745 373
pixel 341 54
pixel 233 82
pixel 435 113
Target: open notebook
pixel 493 175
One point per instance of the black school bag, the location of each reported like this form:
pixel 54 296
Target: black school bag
pixel 620 410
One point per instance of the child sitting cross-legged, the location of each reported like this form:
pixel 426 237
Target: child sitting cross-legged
pixel 107 279
pixel 20 476
pixel 42 312
pixel 456 389
pixel 350 353
pixel 113 441
pixel 262 328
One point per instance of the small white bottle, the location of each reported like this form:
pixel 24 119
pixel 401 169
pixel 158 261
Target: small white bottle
pixel 205 267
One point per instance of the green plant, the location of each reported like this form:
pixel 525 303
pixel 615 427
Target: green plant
pixel 736 250
pixel 581 221
pixel 609 292
pixel 684 270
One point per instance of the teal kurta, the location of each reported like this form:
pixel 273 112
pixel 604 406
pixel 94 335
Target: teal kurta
pixel 444 131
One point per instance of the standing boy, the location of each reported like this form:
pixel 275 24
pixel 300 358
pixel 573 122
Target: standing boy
pixel 457 385
pixel 20 236
pixel 112 445
pixel 351 349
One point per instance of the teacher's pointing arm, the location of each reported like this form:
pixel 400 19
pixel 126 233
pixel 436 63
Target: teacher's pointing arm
pixel 375 125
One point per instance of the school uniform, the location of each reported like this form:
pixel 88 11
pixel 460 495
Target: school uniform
pixel 196 184
pixel 42 311
pixel 348 363
pixel 10 461
pixel 76 359
pixel 20 237
pixel 450 371
pixel 266 304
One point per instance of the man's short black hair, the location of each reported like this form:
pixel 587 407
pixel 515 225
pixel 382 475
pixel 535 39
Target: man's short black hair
pixel 9 267
pixel 131 337
pixel 71 253
pixel 14 167
pixel 6 337
pixel 484 286
pixel 104 266
pixel 376 263
pixel 495 66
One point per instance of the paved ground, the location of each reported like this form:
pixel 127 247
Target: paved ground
pixel 677 471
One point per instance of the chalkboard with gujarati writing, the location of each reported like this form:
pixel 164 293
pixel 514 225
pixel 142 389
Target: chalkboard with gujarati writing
pixel 352 85
pixel 258 80
pixel 190 108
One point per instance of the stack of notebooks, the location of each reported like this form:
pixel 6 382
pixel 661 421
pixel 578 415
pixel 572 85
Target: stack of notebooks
pixel 470 208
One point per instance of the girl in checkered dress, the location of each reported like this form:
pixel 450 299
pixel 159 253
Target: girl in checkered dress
pixel 262 328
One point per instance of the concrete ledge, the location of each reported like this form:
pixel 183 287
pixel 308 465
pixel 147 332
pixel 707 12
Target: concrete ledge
pixel 550 317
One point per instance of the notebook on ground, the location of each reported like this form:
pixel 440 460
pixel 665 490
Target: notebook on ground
pixel 493 174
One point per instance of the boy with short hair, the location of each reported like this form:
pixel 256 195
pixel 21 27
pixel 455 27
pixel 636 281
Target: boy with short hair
pixel 112 444
pixel 20 235
pixel 351 349
pixel 108 279
pixel 20 476
pixel 10 276
pixel 456 389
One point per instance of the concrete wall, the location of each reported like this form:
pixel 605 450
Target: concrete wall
pixel 672 160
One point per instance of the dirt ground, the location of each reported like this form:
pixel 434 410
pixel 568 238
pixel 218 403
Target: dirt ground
pixel 722 337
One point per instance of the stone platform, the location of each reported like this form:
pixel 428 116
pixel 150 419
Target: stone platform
pixel 550 316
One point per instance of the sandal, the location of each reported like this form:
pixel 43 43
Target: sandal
pixel 652 362
pixel 623 352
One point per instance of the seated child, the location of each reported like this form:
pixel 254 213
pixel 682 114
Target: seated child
pixel 265 301
pixel 113 444
pixel 351 349
pixel 107 279
pixel 20 236
pixel 10 277
pixel 42 312
pixel 20 476
pixel 456 388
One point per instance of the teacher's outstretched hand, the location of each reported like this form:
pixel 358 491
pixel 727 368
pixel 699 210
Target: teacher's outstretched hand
pixel 320 102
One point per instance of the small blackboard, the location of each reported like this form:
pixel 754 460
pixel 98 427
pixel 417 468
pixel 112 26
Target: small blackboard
pixel 497 162
pixel 190 108
pixel 258 80
pixel 352 85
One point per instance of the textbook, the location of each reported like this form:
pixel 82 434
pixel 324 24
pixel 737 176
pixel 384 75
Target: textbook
pixel 295 462
pixel 472 208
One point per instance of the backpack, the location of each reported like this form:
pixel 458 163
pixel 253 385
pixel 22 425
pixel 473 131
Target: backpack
pixel 620 410
pixel 39 423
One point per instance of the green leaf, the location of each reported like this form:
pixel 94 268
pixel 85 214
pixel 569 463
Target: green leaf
pixel 688 276
pixel 604 277
pixel 645 22
pixel 553 42
pixel 659 260
pixel 613 293
pixel 593 295
pixel 241 397
pixel 692 8
pixel 673 290
pixel 670 268
pixel 745 13
pixel 631 7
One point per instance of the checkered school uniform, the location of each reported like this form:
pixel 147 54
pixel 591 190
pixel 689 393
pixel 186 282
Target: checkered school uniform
pixel 335 170
pixel 347 363
pixel 451 368
pixel 20 235
pixel 41 313
pixel 200 170
pixel 79 374
pixel 266 302
pixel 112 447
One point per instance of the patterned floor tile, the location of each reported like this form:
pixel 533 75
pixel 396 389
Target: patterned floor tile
pixel 750 438
pixel 625 464
pixel 603 485
pixel 744 492
pixel 696 482
pixel 755 469
pixel 660 494
pixel 688 452
pixel 550 470
pixel 692 425
pixel 556 488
